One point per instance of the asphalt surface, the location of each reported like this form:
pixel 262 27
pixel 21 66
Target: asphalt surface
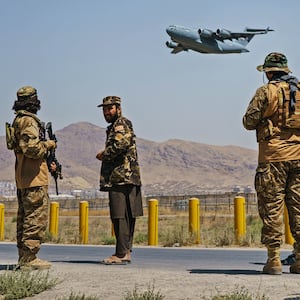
pixel 176 273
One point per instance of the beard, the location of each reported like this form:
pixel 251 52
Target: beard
pixel 111 118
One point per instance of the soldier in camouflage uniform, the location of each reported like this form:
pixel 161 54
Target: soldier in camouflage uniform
pixel 277 179
pixel 120 176
pixel 31 174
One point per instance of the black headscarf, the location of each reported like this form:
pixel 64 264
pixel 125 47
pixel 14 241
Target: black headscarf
pixel 31 104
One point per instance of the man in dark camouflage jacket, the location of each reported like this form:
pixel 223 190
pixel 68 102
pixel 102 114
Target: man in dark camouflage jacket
pixel 120 176
pixel 277 179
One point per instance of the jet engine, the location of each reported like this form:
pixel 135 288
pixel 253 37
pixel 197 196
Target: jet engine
pixel 223 33
pixel 205 32
pixel 171 45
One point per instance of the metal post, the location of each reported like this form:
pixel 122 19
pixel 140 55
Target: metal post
pixel 153 222
pixel 83 222
pixel 239 218
pixel 53 223
pixel 194 218
pixel 1 221
pixel 288 235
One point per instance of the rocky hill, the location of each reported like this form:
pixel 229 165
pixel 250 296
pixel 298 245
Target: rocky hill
pixel 171 167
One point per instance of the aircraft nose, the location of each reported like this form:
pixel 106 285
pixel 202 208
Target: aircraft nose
pixel 170 29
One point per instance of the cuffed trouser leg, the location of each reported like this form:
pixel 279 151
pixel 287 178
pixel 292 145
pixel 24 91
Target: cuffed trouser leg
pixel 270 185
pixel 32 219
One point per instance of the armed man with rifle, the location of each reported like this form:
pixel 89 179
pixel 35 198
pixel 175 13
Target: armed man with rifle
pixel 26 137
pixel 274 113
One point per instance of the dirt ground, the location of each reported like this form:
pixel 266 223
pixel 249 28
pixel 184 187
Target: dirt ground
pixel 113 282
pixel 210 272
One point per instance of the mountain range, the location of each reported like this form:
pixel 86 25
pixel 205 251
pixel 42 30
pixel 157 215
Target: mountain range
pixel 171 167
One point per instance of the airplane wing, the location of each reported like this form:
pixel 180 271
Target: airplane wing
pixel 249 33
pixel 177 50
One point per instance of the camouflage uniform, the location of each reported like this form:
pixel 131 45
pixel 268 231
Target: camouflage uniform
pixel 31 174
pixel 120 176
pixel 277 178
pixel 119 160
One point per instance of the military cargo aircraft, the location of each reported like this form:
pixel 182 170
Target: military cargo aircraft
pixel 221 41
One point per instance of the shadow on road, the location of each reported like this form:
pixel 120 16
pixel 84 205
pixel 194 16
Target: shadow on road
pixel 227 272
pixel 8 267
pixel 77 261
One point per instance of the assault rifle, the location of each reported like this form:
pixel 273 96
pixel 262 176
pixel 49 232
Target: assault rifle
pixel 52 158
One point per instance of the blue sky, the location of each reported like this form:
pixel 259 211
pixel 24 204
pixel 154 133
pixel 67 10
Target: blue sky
pixel 76 52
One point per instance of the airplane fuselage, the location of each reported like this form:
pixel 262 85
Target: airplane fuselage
pixel 187 38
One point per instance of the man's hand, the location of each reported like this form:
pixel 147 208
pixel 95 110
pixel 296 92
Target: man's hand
pixel 50 144
pixel 53 167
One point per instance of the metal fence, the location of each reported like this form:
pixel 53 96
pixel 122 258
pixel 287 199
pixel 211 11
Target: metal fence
pixel 213 203
pixel 221 202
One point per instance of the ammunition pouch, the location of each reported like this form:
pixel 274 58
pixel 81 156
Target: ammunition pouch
pixel 10 137
pixel 264 131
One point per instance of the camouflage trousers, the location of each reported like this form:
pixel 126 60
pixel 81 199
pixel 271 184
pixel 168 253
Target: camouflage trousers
pixel 276 184
pixel 32 218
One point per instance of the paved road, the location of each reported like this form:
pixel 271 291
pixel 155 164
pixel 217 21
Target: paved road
pixel 177 273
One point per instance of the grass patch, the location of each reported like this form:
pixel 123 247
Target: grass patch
pixel 73 296
pixel 149 294
pixel 239 294
pixel 176 235
pixel 23 283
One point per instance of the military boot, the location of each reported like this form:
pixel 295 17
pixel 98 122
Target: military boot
pixel 295 267
pixel 25 257
pixel 29 260
pixel 38 264
pixel 273 265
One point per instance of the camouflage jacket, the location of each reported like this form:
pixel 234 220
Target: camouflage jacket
pixel 30 151
pixel 275 144
pixel 119 161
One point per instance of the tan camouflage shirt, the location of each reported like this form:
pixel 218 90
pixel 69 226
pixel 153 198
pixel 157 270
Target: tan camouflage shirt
pixel 31 166
pixel 275 144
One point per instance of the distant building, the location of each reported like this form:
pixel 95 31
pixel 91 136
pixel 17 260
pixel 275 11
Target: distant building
pixel 237 189
pixel 61 197
pixel 8 188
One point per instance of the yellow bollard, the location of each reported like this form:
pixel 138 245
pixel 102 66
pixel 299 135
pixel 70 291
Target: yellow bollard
pixel 239 218
pixel 53 224
pixel 288 235
pixel 84 222
pixel 1 221
pixel 194 218
pixel 153 222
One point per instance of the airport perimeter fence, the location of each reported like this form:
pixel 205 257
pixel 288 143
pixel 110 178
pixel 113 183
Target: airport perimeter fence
pixel 194 207
pixel 221 205
pixel 209 203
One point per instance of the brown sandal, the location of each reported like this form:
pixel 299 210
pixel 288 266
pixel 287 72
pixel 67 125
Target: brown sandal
pixel 113 260
pixel 126 258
